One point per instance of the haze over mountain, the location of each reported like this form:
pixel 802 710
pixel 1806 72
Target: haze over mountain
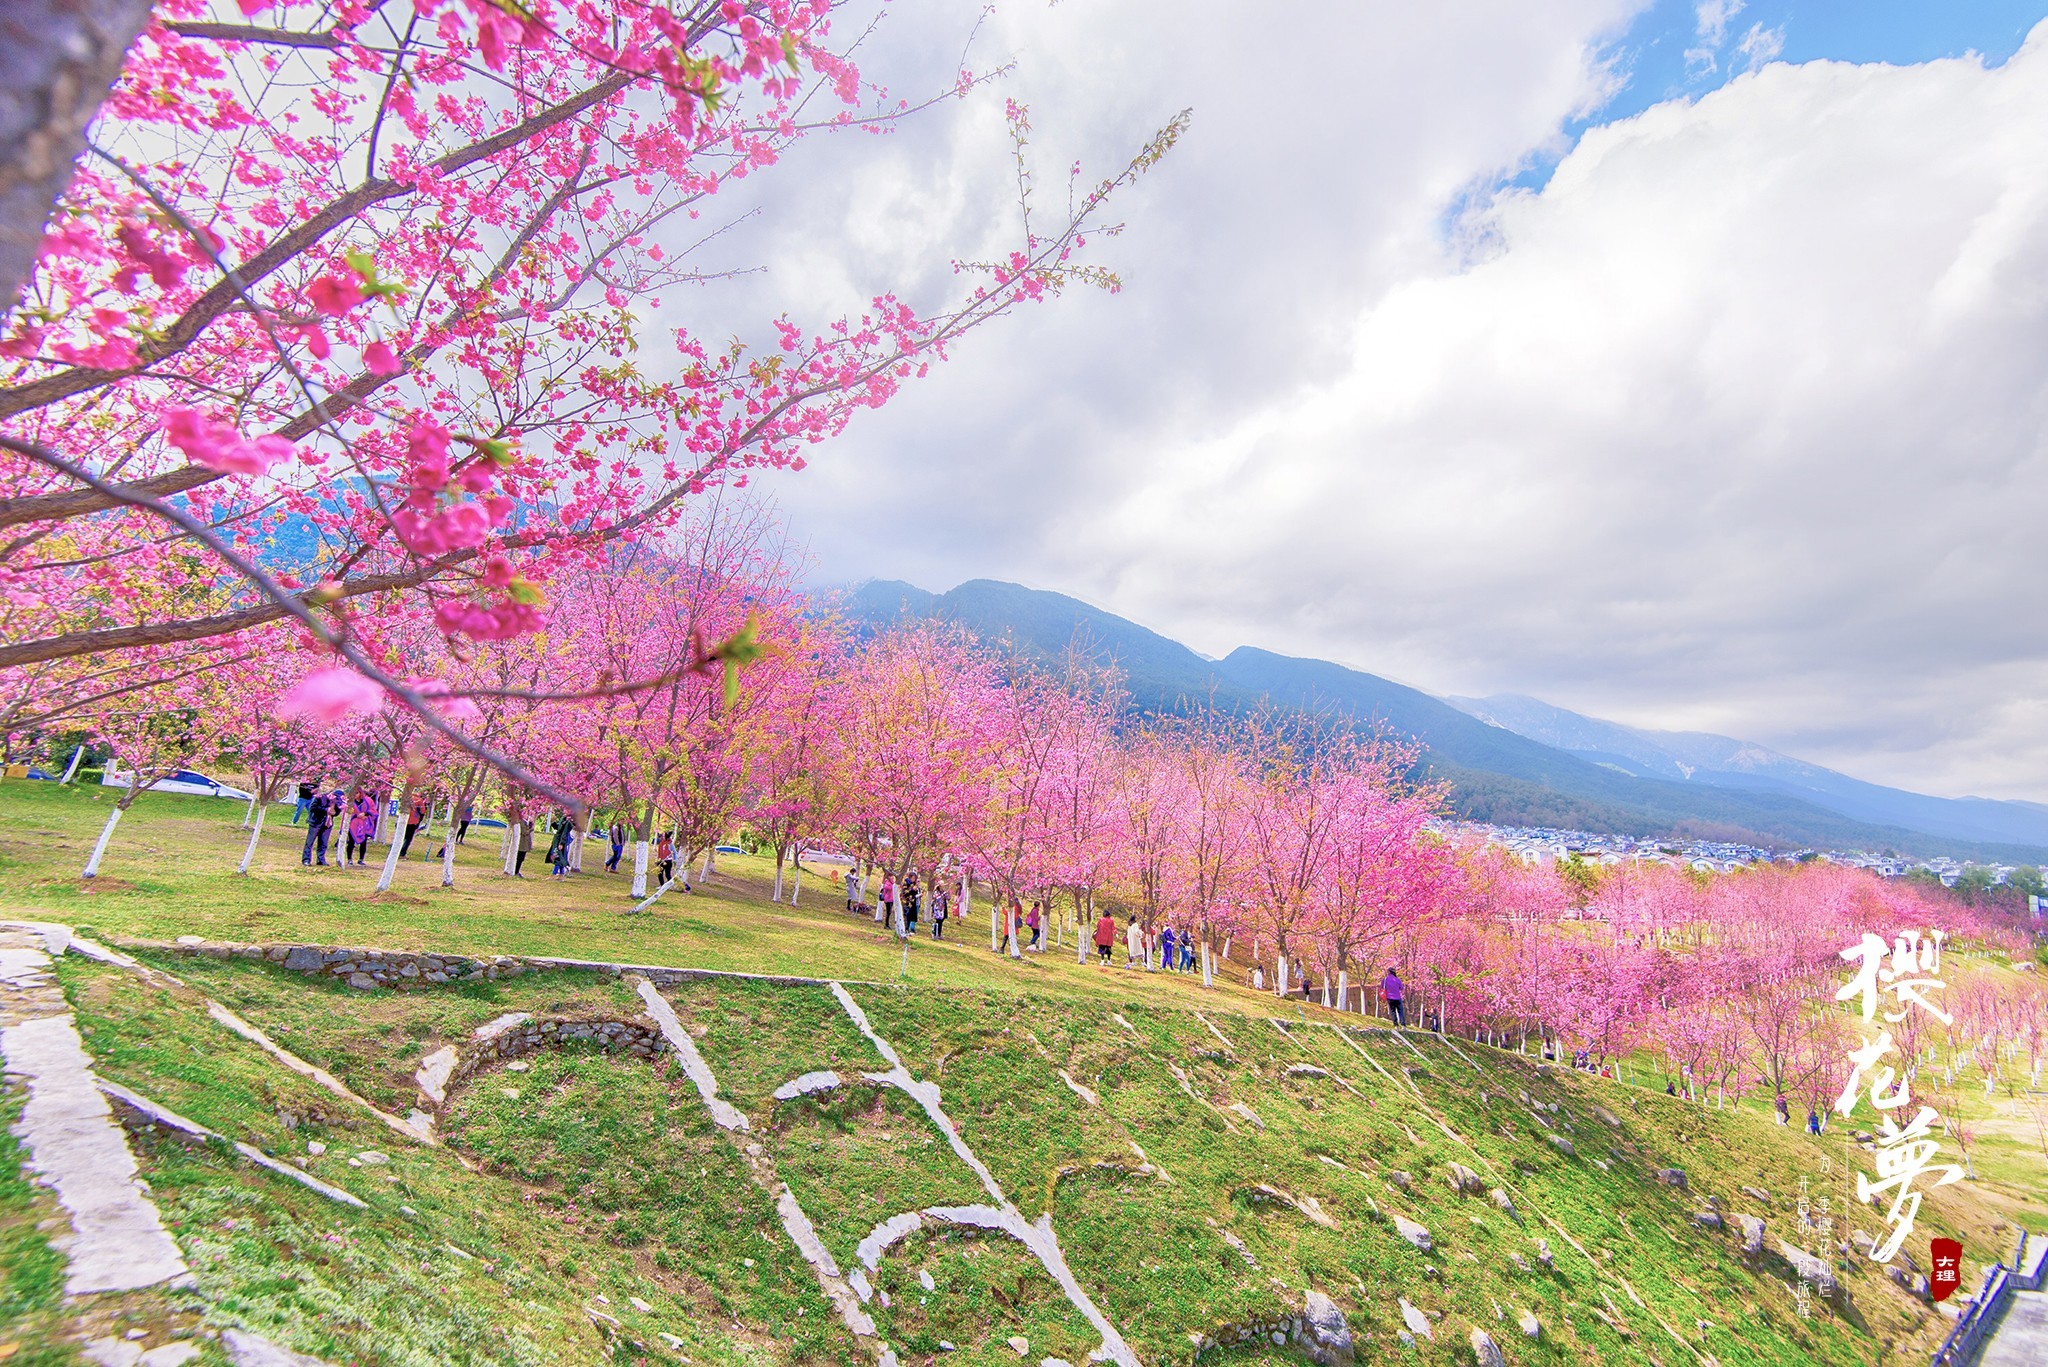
pixel 1509 760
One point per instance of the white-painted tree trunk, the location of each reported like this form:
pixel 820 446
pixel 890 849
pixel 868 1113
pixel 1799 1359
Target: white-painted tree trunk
pixel 390 869
pixel 249 814
pixel 966 896
pixel 1010 929
pixel 860 891
pixel 72 768
pixel 1208 967
pixel 1226 947
pixel 99 849
pixel 1343 988
pixel 796 883
pixel 448 860
pixel 1326 994
pixel 776 896
pixel 710 863
pixel 575 864
pixel 512 848
pixel 639 888
pixel 255 834
pixel 995 927
pixel 1280 983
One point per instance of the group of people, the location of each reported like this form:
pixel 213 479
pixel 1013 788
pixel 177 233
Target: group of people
pixel 357 816
pixel 898 905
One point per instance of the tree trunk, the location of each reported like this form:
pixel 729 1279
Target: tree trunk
pixel 99 849
pixel 61 57
pixel 710 861
pixel 1280 985
pixel 390 870
pixel 72 768
pixel 639 888
pixel 780 855
pixel 512 833
pixel 255 834
pixel 448 858
pixel 1343 988
pixel 796 881
pixel 249 813
pixel 1208 967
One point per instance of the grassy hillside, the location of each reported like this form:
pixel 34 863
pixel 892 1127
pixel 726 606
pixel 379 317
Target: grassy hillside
pixel 1204 1162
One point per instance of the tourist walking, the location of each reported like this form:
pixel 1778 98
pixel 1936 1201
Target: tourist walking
pixel 1166 949
pixel 852 889
pixel 665 858
pixel 1392 989
pixel 558 848
pixel 362 827
pixel 307 792
pixel 525 848
pixel 1105 937
pixel 911 897
pixel 617 835
pixel 417 819
pixel 319 825
pixel 1134 943
pixel 885 901
pixel 940 911
pixel 468 813
pixel 1034 920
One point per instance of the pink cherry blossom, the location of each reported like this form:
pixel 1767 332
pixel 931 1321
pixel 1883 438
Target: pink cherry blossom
pixel 331 695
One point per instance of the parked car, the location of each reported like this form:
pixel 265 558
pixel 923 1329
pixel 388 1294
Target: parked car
pixel 188 781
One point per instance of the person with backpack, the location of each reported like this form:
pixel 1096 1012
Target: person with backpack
pixel 665 858
pixel 1391 988
pixel 1105 937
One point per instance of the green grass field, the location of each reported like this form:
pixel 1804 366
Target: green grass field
pixel 578 1187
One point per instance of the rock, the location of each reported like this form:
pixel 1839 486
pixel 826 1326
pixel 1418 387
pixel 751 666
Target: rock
pixel 1563 1146
pixel 372 1159
pixel 1306 1070
pixel 1248 1113
pixel 1328 1333
pixel 1543 1252
pixel 245 1349
pixel 315 1147
pixel 169 1355
pixel 1671 1177
pixel 1506 1203
pixel 805 1085
pixel 1413 1233
pixel 1401 1180
pixel 1464 1180
pixel 1019 1344
pixel 1054 1362
pixel 361 981
pixel 1484 1352
pixel 112 1352
pixel 1752 1234
pixel 1707 1219
pixel 1417 1322
pixel 642 1306
pixel 1610 1117
pixel 1531 1327
pixel 1519 1261
pixel 1757 1194
pixel 303 959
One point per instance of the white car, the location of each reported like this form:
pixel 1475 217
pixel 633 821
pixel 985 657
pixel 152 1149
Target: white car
pixel 184 781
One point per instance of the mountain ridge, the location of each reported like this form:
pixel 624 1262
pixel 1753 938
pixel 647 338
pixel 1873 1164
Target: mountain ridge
pixel 1496 773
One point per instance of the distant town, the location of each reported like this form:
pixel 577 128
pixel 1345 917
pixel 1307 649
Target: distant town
pixel 1543 844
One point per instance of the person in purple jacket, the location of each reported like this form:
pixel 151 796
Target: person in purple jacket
pixel 1390 987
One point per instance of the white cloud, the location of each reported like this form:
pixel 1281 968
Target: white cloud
pixel 1711 19
pixel 1761 45
pixel 1739 425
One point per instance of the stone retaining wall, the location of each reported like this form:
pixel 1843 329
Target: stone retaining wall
pixel 635 1038
pixel 407 969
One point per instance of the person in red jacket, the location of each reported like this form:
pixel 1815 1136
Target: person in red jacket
pixel 1105 936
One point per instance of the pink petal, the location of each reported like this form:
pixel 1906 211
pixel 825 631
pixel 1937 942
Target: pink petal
pixel 331 695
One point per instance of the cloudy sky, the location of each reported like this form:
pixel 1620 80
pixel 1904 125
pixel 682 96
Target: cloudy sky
pixel 1684 364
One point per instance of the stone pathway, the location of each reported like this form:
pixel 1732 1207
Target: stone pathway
pixel 2020 1339
pixel 117 1241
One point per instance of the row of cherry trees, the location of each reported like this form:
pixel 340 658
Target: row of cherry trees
pixel 1296 845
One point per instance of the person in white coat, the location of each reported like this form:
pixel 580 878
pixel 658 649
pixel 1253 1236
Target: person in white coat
pixel 1134 944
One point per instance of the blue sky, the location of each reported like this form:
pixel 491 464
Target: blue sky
pixel 1665 54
